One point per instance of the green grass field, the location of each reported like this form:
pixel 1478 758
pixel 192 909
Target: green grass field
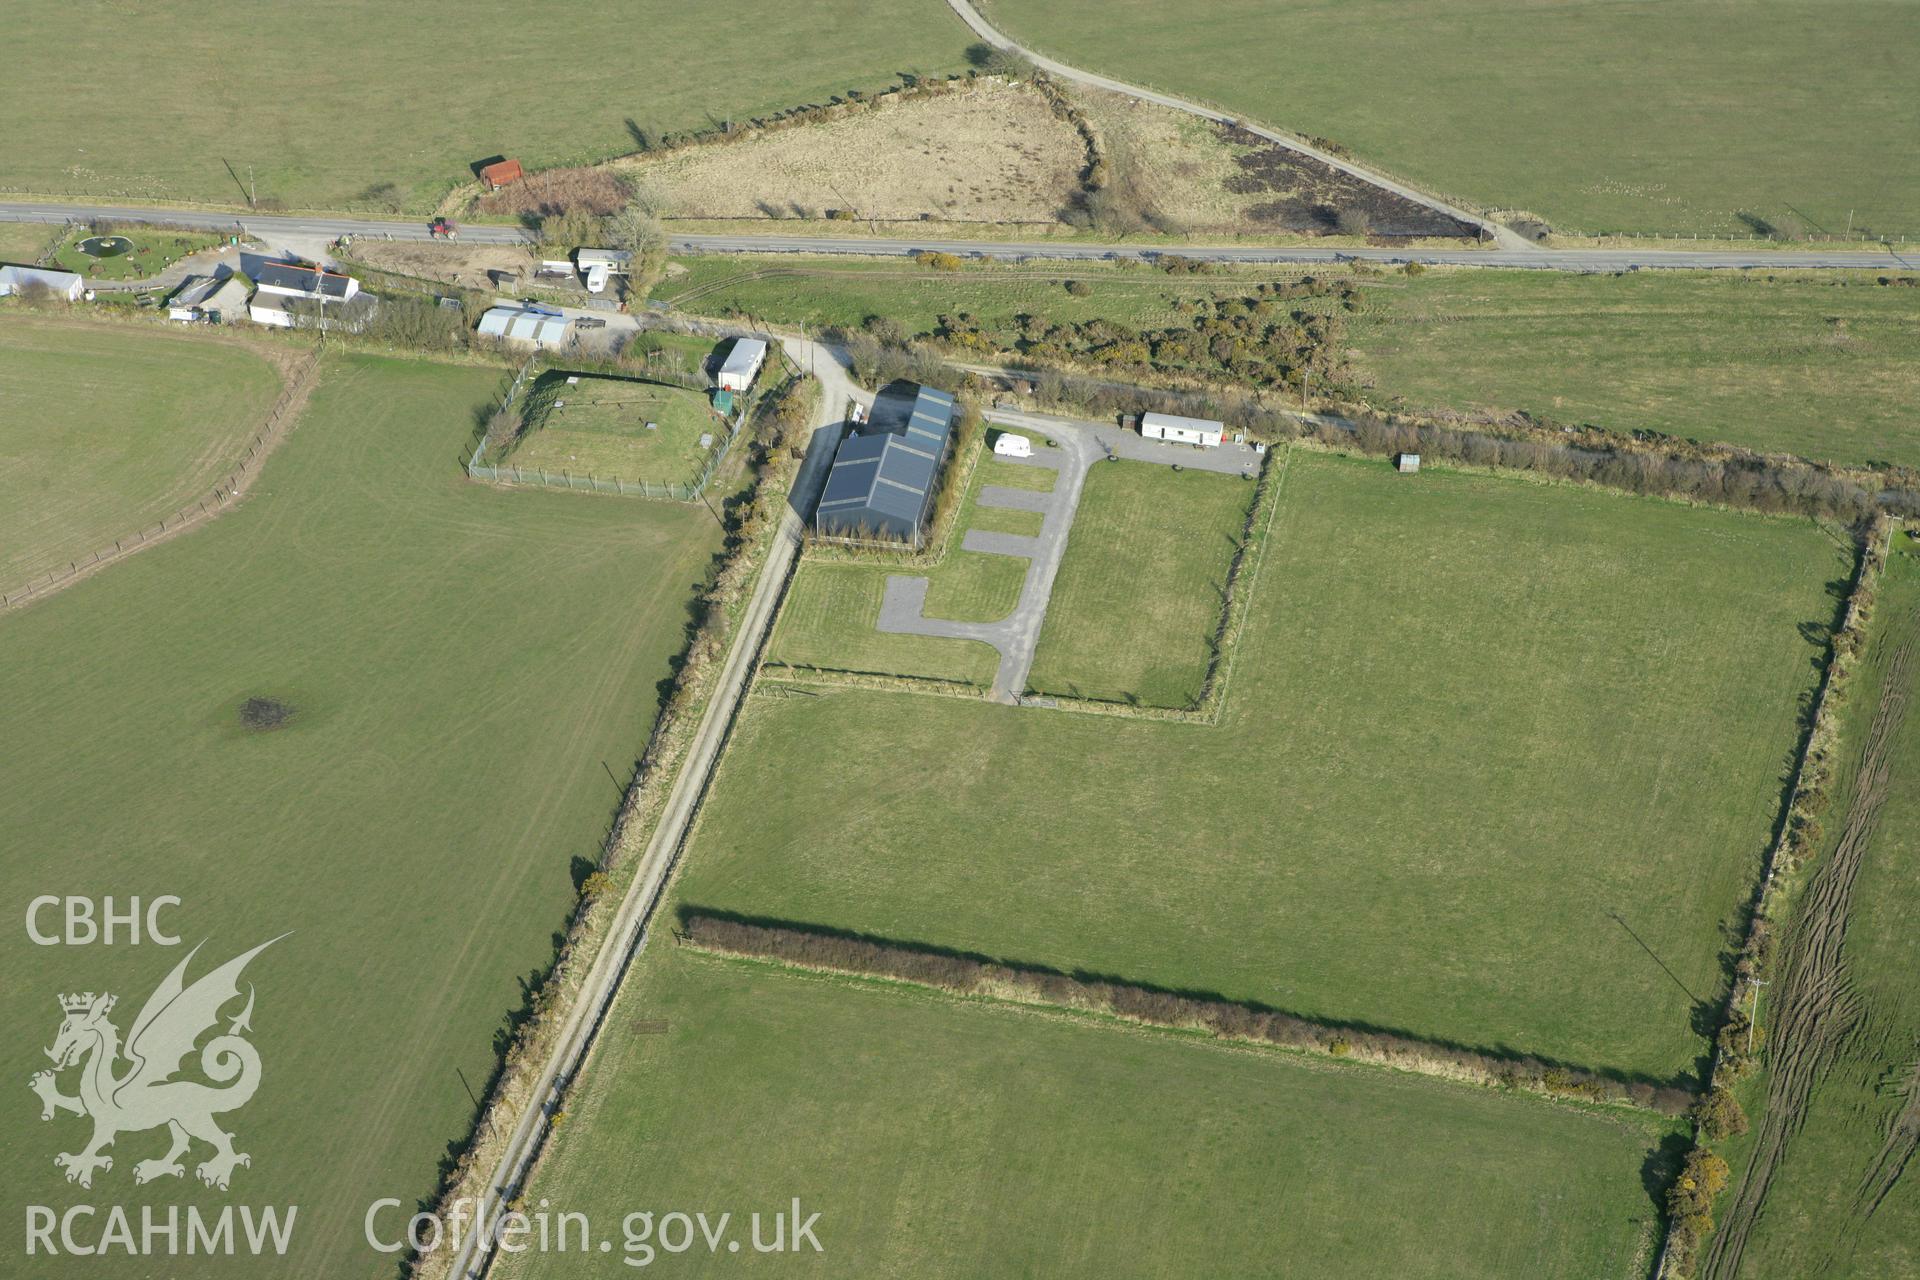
pixel 25 241
pixel 1822 366
pixel 106 429
pixel 1641 116
pixel 838 291
pixel 1819 364
pixel 942 1138
pixel 1139 594
pixel 1863 1110
pixel 828 619
pixel 1472 721
pixel 599 427
pixel 466 666
pixel 326 109
pixel 827 622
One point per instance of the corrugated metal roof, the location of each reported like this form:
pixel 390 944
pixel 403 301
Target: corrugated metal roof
pixel 59 281
pixel 525 324
pixel 883 478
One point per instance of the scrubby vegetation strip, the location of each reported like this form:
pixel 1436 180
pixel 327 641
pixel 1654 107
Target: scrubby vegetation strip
pixel 967 975
pixel 752 524
pixel 1738 1046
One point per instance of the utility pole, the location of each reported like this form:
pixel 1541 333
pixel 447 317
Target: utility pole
pixel 1754 1017
pixel 251 202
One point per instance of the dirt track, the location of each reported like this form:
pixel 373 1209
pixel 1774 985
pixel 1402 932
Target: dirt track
pixel 1815 1008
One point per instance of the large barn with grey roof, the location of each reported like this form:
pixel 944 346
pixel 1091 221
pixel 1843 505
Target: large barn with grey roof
pixel 882 481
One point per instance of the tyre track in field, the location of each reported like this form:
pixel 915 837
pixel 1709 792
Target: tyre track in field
pixel 1903 1139
pixel 1816 1009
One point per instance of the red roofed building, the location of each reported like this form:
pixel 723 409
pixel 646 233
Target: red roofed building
pixel 499 175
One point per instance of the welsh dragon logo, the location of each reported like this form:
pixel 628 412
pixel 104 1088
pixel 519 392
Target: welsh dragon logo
pixel 146 1095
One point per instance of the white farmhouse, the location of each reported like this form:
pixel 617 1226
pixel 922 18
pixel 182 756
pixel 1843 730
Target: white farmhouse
pixel 278 283
pixel 742 364
pixel 1166 426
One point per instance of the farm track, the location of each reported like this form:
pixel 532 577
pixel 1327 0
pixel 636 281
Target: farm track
pixel 1903 1139
pixel 1816 1009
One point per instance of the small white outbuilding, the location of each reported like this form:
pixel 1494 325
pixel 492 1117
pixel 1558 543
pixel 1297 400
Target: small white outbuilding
pixel 1407 462
pixel 1009 445
pixel 1167 426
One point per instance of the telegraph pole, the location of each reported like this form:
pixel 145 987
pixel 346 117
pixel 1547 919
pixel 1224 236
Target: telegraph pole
pixel 1753 1017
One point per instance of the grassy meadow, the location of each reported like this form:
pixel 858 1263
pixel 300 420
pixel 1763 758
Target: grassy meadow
pixel 1825 366
pixel 153 252
pixel 937 1137
pixel 599 427
pixel 1486 738
pixel 1639 117
pixel 1822 364
pixel 469 672
pixel 25 241
pixel 325 109
pixel 1138 597
pixel 1832 1209
pixel 105 430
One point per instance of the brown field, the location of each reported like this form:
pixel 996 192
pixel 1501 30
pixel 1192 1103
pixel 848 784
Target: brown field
pixel 1180 174
pixel 990 153
pixel 461 264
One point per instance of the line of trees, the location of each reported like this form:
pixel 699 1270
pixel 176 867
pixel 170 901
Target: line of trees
pixel 1227 1019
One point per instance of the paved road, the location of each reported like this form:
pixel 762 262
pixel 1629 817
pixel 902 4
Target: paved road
pixel 281 228
pixel 1534 258
pixel 1106 439
pixel 1060 70
pixel 629 933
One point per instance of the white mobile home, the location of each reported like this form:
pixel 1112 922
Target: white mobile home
pixel 743 364
pixel 1009 445
pixel 1166 426
pixel 597 266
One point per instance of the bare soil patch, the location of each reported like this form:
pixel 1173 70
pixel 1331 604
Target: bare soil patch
pixel 1182 173
pixel 466 265
pixel 594 189
pixel 990 153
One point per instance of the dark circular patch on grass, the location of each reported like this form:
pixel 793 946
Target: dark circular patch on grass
pixel 105 246
pixel 265 714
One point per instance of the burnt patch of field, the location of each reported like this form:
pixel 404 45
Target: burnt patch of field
pixel 1306 195
pixel 264 715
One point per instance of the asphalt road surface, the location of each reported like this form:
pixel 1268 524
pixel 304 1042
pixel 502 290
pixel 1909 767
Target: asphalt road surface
pixel 272 226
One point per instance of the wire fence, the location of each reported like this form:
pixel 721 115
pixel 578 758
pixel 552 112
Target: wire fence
pixel 673 491
pixel 223 494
